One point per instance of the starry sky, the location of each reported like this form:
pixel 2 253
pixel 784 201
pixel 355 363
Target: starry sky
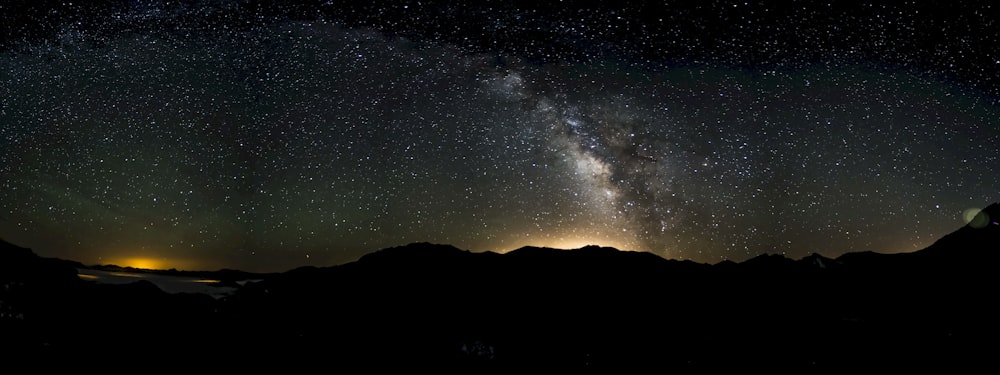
pixel 264 136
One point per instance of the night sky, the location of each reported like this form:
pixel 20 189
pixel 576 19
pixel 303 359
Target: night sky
pixel 214 134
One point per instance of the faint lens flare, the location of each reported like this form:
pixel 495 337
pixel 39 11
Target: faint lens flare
pixel 976 218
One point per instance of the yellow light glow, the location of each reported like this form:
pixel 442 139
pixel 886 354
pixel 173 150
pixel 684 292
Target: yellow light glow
pixel 568 243
pixel 576 243
pixel 152 263
pixel 143 263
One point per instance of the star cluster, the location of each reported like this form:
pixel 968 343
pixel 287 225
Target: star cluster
pixel 222 135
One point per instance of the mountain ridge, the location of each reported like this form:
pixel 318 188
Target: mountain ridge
pixel 434 306
pixel 989 217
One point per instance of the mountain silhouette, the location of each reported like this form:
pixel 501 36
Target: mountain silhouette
pixel 976 241
pixel 435 306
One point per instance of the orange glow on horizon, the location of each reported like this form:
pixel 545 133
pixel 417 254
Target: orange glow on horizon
pixel 147 257
pixel 147 263
pixel 143 263
pixel 566 243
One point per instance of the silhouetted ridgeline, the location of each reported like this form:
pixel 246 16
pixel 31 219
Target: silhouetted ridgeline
pixel 439 307
pixel 227 276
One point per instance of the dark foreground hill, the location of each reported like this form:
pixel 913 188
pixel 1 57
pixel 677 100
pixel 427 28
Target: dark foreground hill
pixel 426 306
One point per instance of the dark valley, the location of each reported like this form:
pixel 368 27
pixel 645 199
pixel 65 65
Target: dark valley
pixel 428 306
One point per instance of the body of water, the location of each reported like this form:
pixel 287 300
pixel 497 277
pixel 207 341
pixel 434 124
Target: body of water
pixel 168 283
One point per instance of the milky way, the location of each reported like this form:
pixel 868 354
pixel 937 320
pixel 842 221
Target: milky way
pixel 312 141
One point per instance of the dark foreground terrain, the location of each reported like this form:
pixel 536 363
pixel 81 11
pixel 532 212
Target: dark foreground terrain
pixel 425 306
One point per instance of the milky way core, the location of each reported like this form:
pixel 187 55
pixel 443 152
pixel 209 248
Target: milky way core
pixel 296 140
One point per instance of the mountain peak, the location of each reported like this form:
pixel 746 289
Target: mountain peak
pixel 591 249
pixel 13 258
pixel 9 249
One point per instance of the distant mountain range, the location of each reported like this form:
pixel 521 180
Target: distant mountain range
pixel 437 307
pixel 226 276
